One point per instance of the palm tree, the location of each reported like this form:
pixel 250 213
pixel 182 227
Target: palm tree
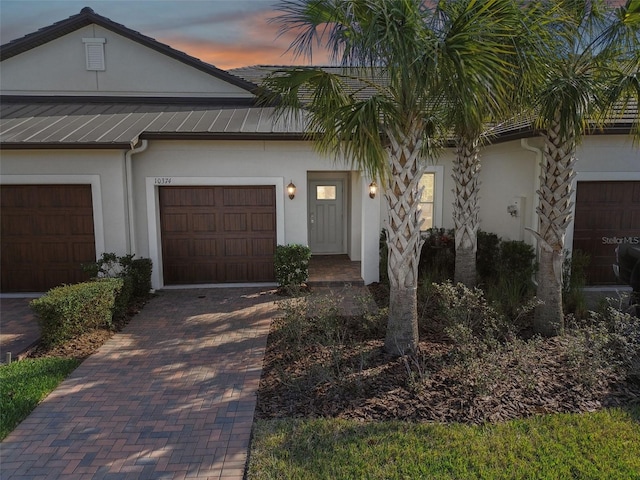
pixel 595 65
pixel 475 96
pixel 385 111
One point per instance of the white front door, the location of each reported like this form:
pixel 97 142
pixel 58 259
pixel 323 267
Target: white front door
pixel 326 216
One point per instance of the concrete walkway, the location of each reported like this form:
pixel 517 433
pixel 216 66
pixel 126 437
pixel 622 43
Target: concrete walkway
pixel 171 396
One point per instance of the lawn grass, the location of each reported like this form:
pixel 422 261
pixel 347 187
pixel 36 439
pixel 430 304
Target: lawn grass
pixel 598 445
pixel 24 384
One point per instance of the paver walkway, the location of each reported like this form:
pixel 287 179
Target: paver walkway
pixel 19 328
pixel 171 396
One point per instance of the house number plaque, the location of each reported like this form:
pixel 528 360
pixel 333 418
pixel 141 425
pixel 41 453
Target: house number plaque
pixel 162 181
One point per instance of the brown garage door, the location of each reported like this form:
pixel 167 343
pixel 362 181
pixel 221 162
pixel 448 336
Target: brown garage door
pixel 217 234
pixel 47 233
pixel 607 213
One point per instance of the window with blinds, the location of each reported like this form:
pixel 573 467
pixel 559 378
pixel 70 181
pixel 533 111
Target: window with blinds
pixel 94 50
pixel 427 181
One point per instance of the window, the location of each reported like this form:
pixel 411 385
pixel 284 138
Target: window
pixel 326 192
pixel 428 181
pixel 94 51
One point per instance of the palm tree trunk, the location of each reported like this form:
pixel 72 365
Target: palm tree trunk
pixel 404 242
pixel 466 171
pixel 555 214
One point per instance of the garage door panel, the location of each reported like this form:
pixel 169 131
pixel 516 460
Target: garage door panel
pixel 187 197
pixel 17 280
pixel 234 247
pixel 177 248
pixel 247 197
pixel 20 252
pixel 51 225
pixel 206 247
pixel 606 213
pixel 261 247
pixel 235 222
pixel 15 225
pixel 262 222
pixel 47 234
pixel 598 217
pixel 81 224
pixel 203 222
pixel 236 272
pixel 81 251
pixel 175 222
pixel 633 218
pixel 227 230
pixel 54 253
pixel 263 271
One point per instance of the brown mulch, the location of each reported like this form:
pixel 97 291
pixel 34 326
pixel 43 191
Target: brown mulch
pixel 356 379
pixel 83 345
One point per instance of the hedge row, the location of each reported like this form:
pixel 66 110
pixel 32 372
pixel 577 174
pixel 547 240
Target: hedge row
pixel 69 310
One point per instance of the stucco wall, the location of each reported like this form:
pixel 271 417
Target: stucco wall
pixel 244 162
pixel 509 173
pixel 59 67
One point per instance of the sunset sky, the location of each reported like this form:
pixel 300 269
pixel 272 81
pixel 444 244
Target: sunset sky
pixel 225 33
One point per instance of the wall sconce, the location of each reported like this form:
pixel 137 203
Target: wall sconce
pixel 373 189
pixel 291 190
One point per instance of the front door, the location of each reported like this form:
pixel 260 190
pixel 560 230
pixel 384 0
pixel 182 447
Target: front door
pixel 326 216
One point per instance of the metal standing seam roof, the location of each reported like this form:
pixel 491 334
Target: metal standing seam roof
pixel 63 124
pixel 118 125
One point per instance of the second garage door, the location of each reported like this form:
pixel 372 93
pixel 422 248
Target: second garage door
pixel 47 234
pixel 217 234
pixel 607 213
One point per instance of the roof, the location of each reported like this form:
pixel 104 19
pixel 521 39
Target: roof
pixel 517 127
pixel 88 17
pixel 120 125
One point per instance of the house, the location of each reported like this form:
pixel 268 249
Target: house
pixel 114 142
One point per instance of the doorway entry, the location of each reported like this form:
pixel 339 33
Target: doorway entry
pixel 327 215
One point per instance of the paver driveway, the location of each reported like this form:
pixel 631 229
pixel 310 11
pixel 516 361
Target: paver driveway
pixel 171 396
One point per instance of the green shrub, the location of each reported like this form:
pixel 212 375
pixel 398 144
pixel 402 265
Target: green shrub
pixel 70 310
pixel 574 278
pixel 468 318
pixel 437 258
pixel 137 271
pixel 292 265
pixel 487 255
pixel 140 273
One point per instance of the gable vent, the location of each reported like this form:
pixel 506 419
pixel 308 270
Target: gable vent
pixel 94 50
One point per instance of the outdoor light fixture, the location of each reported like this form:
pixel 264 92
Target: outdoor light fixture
pixel 373 189
pixel 291 190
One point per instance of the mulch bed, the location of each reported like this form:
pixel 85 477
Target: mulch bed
pixel 83 345
pixel 356 379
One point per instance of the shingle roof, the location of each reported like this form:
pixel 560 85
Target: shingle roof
pixel 87 17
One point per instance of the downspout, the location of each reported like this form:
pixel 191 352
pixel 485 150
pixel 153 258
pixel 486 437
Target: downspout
pixel 128 178
pixel 524 143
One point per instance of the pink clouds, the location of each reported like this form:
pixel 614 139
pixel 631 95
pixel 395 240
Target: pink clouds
pixel 257 43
